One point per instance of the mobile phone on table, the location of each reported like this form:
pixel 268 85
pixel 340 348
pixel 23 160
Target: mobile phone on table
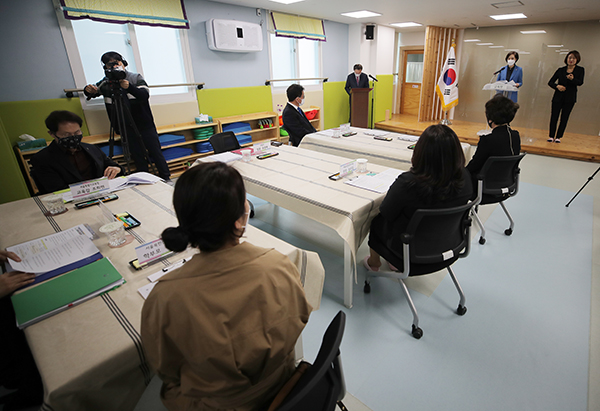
pixel 335 177
pixel 412 146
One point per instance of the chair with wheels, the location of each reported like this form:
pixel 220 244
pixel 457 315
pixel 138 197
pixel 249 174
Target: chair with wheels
pixel 434 239
pixel 497 181
pixel 320 386
pixel 227 141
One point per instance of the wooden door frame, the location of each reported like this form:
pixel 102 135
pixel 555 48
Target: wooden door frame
pixel 401 64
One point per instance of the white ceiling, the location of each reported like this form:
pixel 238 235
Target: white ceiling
pixel 443 13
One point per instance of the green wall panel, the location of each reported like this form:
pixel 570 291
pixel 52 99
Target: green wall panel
pixel 384 96
pixel 227 102
pixel 336 104
pixel 12 183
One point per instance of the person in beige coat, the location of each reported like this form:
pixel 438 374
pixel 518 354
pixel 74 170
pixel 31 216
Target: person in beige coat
pixel 220 331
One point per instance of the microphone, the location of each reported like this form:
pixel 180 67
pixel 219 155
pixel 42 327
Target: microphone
pixel 503 67
pixel 373 78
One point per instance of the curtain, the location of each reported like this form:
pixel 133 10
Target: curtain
pixel 286 25
pixel 164 13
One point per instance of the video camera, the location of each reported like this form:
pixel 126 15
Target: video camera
pixel 114 72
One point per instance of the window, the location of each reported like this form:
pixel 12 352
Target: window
pixel 295 58
pixel 160 54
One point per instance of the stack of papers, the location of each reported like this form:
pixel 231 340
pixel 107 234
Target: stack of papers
pixel 376 133
pixel 407 137
pixel 119 183
pixel 379 183
pixel 225 157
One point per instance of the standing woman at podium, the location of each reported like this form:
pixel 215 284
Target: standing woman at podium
pixel 511 72
pixel 565 93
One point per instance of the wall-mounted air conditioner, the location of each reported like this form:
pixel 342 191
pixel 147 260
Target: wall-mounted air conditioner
pixel 233 36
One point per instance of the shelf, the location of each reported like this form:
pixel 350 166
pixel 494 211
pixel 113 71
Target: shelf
pixel 258 130
pixel 185 143
pixel 248 117
pixel 182 127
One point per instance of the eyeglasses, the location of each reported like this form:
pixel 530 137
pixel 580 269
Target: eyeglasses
pixel 78 134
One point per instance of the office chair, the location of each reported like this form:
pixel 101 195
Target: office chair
pixel 498 180
pixel 434 240
pixel 227 141
pixel 322 384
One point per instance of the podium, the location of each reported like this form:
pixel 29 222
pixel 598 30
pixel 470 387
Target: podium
pixel 359 107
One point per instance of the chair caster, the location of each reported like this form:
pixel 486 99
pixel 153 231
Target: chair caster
pixel 508 231
pixel 481 240
pixel 367 287
pixel 461 310
pixel 417 332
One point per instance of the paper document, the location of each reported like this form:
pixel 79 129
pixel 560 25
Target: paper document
pixel 378 133
pixel 328 133
pixel 406 137
pixel 226 157
pixel 54 251
pixel 153 278
pixel 145 290
pixel 379 183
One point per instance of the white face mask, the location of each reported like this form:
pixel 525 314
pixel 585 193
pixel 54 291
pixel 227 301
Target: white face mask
pixel 511 62
pixel 301 102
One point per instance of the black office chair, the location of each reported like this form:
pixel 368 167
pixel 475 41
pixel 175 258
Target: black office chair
pixel 227 141
pixel 498 180
pixel 434 240
pixel 322 385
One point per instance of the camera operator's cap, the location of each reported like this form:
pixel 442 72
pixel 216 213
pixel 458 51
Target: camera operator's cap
pixel 112 55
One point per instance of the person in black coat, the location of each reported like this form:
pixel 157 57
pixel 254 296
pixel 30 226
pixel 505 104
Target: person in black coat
pixel 294 119
pixel 437 179
pixel 565 93
pixel 67 160
pixel 358 79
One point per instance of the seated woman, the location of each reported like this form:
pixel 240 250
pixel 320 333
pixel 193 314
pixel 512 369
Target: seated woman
pixel 220 331
pixel 503 141
pixel 437 179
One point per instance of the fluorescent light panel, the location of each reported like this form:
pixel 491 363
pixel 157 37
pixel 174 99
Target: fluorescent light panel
pixel 555 45
pixel 471 40
pixel 509 16
pixel 496 47
pixel 533 32
pixel 361 14
pixel 286 1
pixel 406 24
pixel 485 44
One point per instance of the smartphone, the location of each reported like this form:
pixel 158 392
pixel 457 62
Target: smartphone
pixel 349 134
pixel 335 177
pixel 412 146
pixel 383 138
pixel 276 143
pixel 95 201
pixel 263 156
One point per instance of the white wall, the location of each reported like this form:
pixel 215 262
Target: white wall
pixel 385 38
pixel 413 38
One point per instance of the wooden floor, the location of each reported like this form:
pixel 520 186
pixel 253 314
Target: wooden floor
pixel 573 146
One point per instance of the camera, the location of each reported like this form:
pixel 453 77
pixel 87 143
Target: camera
pixel 114 72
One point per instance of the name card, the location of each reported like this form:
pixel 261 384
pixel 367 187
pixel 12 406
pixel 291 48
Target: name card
pixel 151 251
pixel 261 148
pixel 89 188
pixel 347 168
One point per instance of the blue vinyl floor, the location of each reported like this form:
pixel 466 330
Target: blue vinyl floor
pixel 522 345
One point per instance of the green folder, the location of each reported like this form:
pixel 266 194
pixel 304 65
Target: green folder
pixel 61 293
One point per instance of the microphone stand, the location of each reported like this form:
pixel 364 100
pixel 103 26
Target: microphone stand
pixel 373 100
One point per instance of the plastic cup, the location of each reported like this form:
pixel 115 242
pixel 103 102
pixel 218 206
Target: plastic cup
pixel 337 133
pixel 246 155
pixel 345 128
pixel 54 204
pixel 115 233
pixel 361 165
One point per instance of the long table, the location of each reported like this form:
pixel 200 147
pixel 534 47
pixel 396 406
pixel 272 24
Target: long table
pixel 395 153
pixel 90 357
pixel 297 180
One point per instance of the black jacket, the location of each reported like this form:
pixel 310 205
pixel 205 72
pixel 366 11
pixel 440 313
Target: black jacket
pixel 52 171
pixel 570 94
pixel 296 124
pixel 498 143
pixel 363 82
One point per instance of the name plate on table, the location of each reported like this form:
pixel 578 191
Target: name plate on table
pixel 90 188
pixel 151 251
pixel 261 148
pixel 347 168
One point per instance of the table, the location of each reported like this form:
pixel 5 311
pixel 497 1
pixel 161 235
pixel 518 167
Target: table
pixel 395 153
pixel 297 180
pixel 90 357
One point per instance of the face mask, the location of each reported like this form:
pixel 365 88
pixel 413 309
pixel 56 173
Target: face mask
pixel 511 62
pixel 70 142
pixel 301 102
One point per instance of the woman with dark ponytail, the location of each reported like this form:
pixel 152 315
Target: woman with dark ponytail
pixel 220 331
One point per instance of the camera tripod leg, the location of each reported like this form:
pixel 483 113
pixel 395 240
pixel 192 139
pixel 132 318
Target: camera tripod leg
pixel 590 178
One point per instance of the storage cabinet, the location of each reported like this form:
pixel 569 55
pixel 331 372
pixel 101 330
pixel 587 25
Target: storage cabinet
pixel 256 132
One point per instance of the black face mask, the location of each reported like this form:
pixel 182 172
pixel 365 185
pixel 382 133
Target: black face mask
pixel 70 142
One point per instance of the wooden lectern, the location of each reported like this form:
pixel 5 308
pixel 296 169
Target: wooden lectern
pixel 359 106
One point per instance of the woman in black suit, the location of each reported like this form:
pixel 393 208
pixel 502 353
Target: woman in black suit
pixel 565 94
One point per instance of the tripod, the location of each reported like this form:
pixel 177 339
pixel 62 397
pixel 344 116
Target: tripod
pixel 120 119
pixel 590 178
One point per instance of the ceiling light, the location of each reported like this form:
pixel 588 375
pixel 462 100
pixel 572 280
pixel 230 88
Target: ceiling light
pixel 361 14
pixel 485 44
pixel 407 24
pixel 564 52
pixel 286 1
pixel 517 50
pixel 533 32
pixel 507 4
pixel 496 47
pixel 524 52
pixel 555 45
pixel 509 16
pixel 471 40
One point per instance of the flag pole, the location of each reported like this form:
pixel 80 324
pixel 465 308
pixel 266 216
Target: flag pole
pixel 445 120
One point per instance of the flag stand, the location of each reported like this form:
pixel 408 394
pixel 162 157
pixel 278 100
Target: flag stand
pixel 445 120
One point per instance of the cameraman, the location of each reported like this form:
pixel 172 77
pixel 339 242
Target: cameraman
pixel 134 90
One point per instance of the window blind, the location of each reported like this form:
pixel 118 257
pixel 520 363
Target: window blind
pixel 286 25
pixel 164 13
